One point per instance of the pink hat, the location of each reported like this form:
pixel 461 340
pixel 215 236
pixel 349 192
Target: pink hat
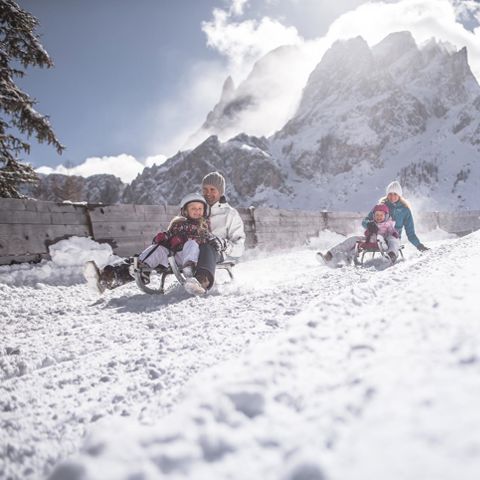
pixel 381 208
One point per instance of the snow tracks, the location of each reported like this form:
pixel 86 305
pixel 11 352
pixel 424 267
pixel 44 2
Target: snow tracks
pixel 315 373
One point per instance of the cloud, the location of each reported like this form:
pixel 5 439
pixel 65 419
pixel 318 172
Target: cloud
pixel 238 7
pixel 241 40
pixel 124 166
pixel 155 160
pixel 425 19
pixel 179 117
pixel 242 43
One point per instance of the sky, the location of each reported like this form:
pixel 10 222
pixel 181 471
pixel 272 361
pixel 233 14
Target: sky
pixel 133 80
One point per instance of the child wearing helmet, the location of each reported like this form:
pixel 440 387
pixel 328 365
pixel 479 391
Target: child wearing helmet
pixel 183 236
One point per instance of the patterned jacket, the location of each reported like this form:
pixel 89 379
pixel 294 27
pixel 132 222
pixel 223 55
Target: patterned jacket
pixel 182 229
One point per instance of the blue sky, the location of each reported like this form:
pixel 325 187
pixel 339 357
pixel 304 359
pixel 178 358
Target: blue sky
pixel 135 78
pixel 115 60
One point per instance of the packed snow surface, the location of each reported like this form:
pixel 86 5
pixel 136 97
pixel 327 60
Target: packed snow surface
pixel 293 371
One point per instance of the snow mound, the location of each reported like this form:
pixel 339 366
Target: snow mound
pixel 437 234
pixel 68 258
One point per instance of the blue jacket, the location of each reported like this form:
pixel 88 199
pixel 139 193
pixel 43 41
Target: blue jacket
pixel 402 216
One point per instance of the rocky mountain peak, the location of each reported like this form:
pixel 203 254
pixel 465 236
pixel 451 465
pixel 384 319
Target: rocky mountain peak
pixel 394 47
pixel 228 90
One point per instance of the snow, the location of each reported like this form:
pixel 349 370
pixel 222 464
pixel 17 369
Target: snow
pixel 65 268
pixel 293 371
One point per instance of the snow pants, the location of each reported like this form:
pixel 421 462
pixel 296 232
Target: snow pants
pixel 156 255
pixel 207 262
pixel 345 250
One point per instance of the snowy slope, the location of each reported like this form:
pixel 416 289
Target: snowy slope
pixel 293 371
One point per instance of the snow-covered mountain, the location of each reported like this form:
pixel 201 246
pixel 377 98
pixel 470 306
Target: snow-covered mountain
pixel 251 172
pixel 366 116
pixel 56 187
pixel 370 115
pixel 271 91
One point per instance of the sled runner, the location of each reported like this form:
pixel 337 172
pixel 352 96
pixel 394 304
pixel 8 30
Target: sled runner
pixel 362 248
pixel 157 281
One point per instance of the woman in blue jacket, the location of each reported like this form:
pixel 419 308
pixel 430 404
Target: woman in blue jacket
pixel 399 211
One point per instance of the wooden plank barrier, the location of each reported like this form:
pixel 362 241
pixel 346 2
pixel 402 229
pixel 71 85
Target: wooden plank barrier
pixel 129 229
pixel 276 228
pixel 28 227
pixel 461 223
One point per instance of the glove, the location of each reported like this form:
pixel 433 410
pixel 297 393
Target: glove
pixel 422 248
pixel 175 243
pixel 372 227
pixel 219 244
pixel 160 237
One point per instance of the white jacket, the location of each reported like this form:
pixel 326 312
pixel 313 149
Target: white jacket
pixel 225 222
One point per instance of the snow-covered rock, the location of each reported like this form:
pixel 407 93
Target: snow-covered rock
pixel 245 161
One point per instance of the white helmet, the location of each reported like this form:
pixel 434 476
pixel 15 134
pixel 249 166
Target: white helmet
pixel 193 197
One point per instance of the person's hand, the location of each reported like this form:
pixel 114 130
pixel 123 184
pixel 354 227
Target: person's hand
pixel 372 227
pixel 422 248
pixel 219 244
pixel 160 237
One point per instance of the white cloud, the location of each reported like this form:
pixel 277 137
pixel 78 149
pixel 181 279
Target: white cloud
pixel 241 43
pixel 245 42
pixel 182 116
pixel 155 160
pixel 238 7
pixel 423 18
pixel 124 166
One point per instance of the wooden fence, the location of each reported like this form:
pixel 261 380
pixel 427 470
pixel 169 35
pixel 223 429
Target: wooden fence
pixel 29 227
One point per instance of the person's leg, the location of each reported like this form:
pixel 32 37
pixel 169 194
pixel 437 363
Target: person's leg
pixel 110 277
pixel 187 258
pixel 393 247
pixel 344 251
pixel 206 266
pixel 155 255
pixel 189 254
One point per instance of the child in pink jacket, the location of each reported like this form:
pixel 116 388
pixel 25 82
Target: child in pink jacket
pixel 384 226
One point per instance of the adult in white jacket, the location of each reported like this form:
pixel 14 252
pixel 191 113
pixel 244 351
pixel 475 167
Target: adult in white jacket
pixel 227 227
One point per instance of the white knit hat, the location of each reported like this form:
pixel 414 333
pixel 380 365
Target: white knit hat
pixel 394 187
pixel 216 179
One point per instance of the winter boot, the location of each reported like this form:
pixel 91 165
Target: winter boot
pixel 325 258
pixel 193 286
pixel 145 271
pixel 393 257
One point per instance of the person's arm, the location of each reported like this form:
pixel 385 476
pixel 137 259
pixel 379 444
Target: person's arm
pixel 367 219
pixel 235 235
pixel 410 229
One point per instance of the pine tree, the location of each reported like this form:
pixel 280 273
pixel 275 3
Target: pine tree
pixel 20 47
